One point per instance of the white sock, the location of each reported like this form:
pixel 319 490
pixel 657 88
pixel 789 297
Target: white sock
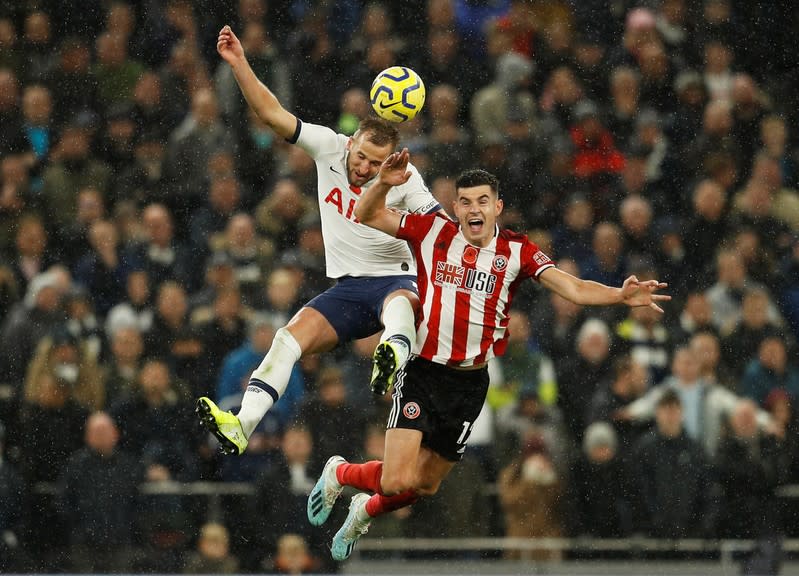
pixel 400 326
pixel 269 380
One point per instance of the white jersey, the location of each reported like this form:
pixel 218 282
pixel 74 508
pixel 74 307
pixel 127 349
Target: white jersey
pixel 351 248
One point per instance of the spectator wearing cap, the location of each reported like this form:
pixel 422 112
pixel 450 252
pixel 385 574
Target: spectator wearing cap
pixel 28 322
pixel 580 375
pixel 685 120
pixel 13 512
pixel 599 488
pixel 673 479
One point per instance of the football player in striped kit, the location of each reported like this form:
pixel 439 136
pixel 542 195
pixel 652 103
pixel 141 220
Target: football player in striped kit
pixel 469 271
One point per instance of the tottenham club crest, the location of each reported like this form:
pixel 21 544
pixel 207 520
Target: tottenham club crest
pixel 411 410
pixel 500 263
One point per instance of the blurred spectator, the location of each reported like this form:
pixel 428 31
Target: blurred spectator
pixel 172 336
pixel 74 239
pixel 635 217
pixel 600 488
pixel 136 309
pixel 98 495
pixel 307 259
pixel 771 369
pixel 625 90
pixel 608 262
pixel 726 294
pixel 673 479
pixel 506 107
pixel 715 137
pixel 37 45
pixel 116 137
pixel 29 321
pixel 37 114
pixel 71 169
pixel 295 470
pixel 121 367
pixel 239 363
pixel 647 339
pixel 579 376
pixel 160 254
pixel 212 555
pixel 16 198
pixel 530 492
pixel 572 238
pixel 64 357
pixel 450 144
pixel 628 382
pixel 115 70
pixel 281 298
pixel 696 316
pixel 13 138
pixel 278 215
pixel 685 120
pixel 712 367
pixel 222 328
pixel 73 80
pixel 293 557
pixel 335 426
pixel 13 511
pixel 750 466
pixel 706 228
pixel 252 255
pixel 32 256
pixel 704 406
pixel 103 270
pixel 742 344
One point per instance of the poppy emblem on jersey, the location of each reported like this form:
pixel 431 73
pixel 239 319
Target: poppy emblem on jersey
pixel 411 410
pixel 500 263
pixel 470 255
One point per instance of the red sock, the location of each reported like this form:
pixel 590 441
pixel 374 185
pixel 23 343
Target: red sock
pixel 364 476
pixel 379 504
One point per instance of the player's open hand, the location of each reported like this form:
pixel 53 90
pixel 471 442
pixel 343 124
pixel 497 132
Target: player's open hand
pixel 394 170
pixel 229 46
pixel 637 293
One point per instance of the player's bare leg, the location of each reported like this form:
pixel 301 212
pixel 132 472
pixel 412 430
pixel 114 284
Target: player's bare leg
pixel 397 340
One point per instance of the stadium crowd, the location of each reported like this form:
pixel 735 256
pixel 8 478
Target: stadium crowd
pixel 153 236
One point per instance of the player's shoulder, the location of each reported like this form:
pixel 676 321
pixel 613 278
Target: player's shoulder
pixel 511 236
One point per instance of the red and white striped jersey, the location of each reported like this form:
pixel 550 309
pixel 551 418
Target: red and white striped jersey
pixel 466 291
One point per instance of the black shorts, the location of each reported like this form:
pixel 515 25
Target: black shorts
pixel 440 402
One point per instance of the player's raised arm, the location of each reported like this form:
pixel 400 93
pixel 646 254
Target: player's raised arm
pixel 371 208
pixel 258 96
pixel 633 293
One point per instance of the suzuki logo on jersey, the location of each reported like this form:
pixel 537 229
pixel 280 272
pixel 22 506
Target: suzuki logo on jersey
pixel 465 280
pixel 336 198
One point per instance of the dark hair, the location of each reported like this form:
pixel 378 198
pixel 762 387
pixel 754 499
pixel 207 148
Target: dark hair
pixel 477 177
pixel 669 398
pixel 379 132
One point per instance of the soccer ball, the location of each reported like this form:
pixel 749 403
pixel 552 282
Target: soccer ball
pixel 397 94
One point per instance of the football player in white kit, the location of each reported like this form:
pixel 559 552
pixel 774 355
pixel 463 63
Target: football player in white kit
pixel 376 274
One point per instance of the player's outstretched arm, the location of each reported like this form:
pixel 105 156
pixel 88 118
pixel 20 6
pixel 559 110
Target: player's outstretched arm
pixel 371 208
pixel 586 292
pixel 258 96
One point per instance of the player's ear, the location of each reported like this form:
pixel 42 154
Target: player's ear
pixel 500 205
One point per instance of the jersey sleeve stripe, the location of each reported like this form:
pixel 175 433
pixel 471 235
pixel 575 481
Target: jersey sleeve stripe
pixel 296 135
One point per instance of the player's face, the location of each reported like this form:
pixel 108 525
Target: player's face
pixel 365 159
pixel 476 210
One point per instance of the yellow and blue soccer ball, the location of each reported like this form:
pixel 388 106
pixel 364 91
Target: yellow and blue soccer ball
pixel 397 94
